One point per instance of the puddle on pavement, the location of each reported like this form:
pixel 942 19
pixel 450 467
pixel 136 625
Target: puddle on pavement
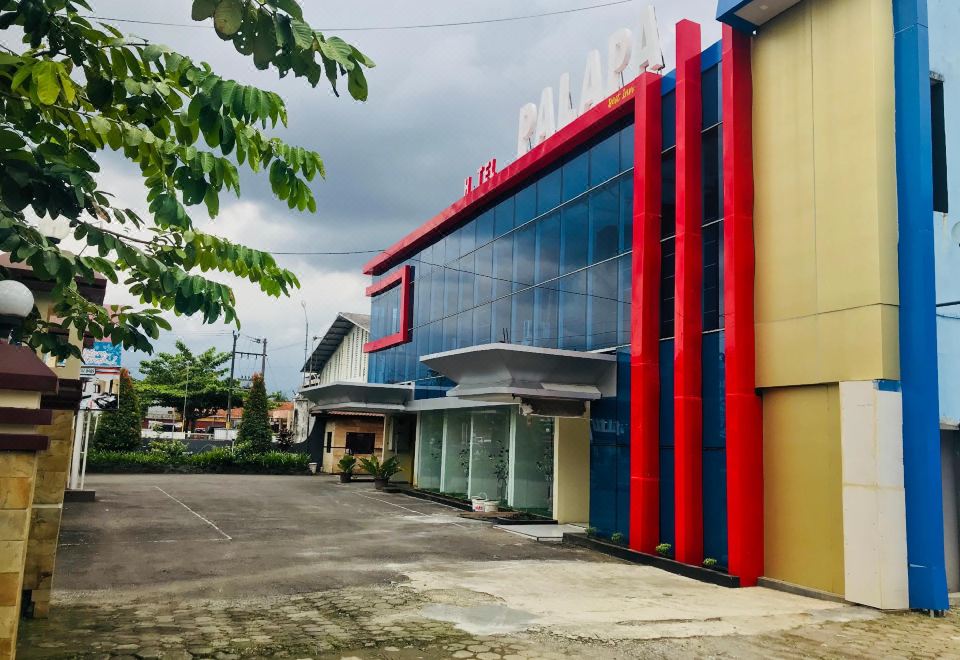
pixel 481 619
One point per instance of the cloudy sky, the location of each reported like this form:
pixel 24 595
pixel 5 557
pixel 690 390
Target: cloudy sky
pixel 442 102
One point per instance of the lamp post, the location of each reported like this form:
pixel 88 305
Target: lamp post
pixel 16 303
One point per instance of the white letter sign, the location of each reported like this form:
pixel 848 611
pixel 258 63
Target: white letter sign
pixel 546 124
pixel 591 92
pixel 528 126
pixel 619 50
pixel 651 56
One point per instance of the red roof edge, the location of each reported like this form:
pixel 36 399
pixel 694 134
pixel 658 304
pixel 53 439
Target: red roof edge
pixel 596 119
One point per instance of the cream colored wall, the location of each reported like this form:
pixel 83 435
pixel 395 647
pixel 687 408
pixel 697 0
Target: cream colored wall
pixel 825 222
pixel 348 363
pixel 70 368
pixel 571 492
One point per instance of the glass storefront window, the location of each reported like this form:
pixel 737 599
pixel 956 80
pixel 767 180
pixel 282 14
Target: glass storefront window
pixel 602 289
pixel 574 242
pixel 503 217
pixel 573 312
pixel 456 454
pixel 526 205
pixel 490 454
pixel 430 451
pixel 531 469
pixel 548 191
pixel 548 248
pixel 576 176
pixel 484 228
pixel 605 160
pixel 545 313
pixel 604 222
pixel 522 327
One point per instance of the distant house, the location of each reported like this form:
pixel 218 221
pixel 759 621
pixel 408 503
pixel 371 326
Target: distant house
pixel 337 358
pixel 281 417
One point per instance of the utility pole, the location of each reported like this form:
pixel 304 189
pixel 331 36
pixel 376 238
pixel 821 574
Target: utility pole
pixel 263 362
pixel 306 338
pixel 233 359
pixel 186 387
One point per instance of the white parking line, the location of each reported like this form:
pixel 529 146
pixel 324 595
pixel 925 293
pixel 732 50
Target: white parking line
pixel 226 536
pixel 420 513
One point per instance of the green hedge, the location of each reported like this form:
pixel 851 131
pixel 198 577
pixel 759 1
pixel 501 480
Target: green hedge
pixel 214 460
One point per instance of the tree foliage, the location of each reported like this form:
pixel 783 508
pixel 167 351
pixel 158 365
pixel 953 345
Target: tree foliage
pixel 79 87
pixel 119 430
pixel 255 431
pixel 199 379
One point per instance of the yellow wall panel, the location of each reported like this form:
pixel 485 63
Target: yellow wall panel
pixel 850 344
pixel 825 214
pixel 803 511
pixel 784 219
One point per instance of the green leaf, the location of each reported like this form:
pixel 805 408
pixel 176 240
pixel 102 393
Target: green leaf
pixel 203 9
pixel 289 6
pixel 227 18
pixel 152 53
pixel 100 92
pixel 302 34
pixel 47 80
pixel 10 140
pixel 357 83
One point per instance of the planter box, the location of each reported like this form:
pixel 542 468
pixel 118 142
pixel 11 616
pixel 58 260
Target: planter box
pixel 622 552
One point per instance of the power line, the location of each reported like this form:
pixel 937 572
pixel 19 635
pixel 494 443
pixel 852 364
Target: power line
pixel 385 28
pixel 315 254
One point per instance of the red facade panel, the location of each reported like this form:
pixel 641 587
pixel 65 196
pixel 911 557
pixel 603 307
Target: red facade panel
pixel 688 314
pixel 402 278
pixel 645 320
pixel 743 409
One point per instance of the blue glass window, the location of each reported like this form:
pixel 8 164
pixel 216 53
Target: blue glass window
pixel 667 286
pixel 548 191
pixel 502 267
pixel 467 267
pixel 522 326
pixel 668 206
pixel 626 214
pixel 605 160
pixel 625 294
pixel 712 169
pixel 465 329
pixel 484 269
pixel 503 216
pixel 713 276
pixel 669 110
pixel 545 315
pixel 602 283
pixel 485 228
pixel 524 253
pixel 627 148
pixel 712 85
pixel 502 319
pixel 450 333
pixel 574 242
pixel 605 222
pixel 548 248
pixel 482 324
pixel 576 176
pixel 526 204
pixel 468 237
pixel 436 295
pixel 573 311
pixel 451 291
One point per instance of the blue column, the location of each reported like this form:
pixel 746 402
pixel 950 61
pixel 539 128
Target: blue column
pixel 918 329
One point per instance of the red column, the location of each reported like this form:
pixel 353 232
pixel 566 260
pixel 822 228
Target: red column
pixel 743 410
pixel 688 317
pixel 645 320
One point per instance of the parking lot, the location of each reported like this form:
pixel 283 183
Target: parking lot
pixel 225 566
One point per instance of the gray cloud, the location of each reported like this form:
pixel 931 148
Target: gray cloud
pixel 442 102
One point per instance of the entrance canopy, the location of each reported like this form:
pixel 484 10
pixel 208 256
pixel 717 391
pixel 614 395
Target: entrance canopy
pixel 542 380
pixel 359 397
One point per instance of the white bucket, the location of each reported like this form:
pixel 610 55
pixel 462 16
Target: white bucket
pixel 490 506
pixel 313 468
pixel 479 503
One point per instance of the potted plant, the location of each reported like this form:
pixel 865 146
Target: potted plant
pixel 381 472
pixel 346 465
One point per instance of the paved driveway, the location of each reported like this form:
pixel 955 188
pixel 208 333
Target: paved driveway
pixel 183 566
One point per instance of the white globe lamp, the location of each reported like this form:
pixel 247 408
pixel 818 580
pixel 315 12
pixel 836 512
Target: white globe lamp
pixel 55 229
pixel 16 302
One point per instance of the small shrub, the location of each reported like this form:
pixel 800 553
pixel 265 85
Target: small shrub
pixel 129 461
pixel 665 550
pixel 591 531
pixel 218 459
pixel 347 464
pixel 173 449
pixel 215 460
pixel 379 470
pixel 618 538
pixel 709 562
